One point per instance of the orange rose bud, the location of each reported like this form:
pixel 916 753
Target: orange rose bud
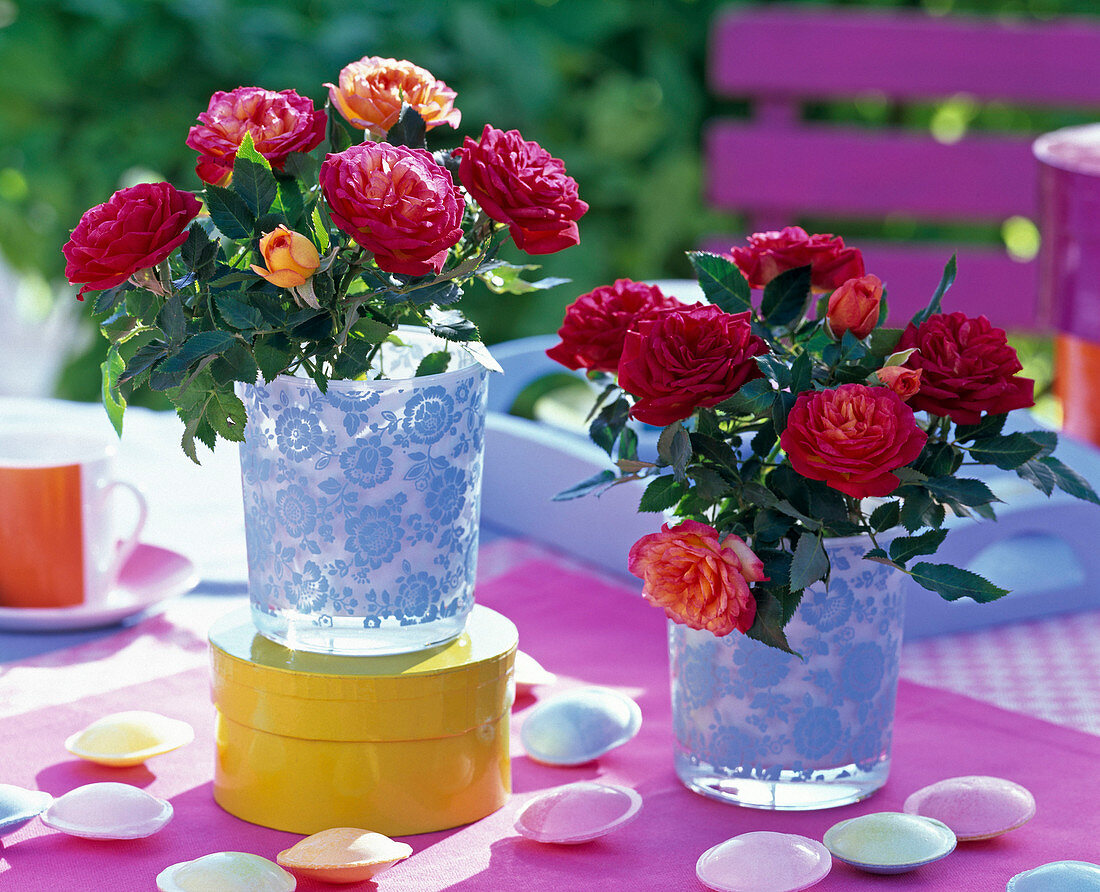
pixel 904 382
pixel 696 579
pixel 291 258
pixel 371 91
pixel 854 307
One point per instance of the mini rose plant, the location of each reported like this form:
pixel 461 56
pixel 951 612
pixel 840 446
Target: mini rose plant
pixel 304 252
pixel 790 413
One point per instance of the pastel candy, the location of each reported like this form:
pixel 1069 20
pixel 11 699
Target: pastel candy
pixel 764 861
pixel 578 726
pixel 889 842
pixel 1065 876
pixel 129 738
pixel 974 807
pixel 226 872
pixel 18 806
pixel 108 811
pixel 528 672
pixel 343 855
pixel 576 813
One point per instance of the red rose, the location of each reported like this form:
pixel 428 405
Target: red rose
pixel 519 183
pixel 280 123
pixel 852 438
pixel 136 228
pixel 596 323
pixel 854 307
pixel 683 359
pixel 697 580
pixel 967 367
pixel 396 202
pixel 771 253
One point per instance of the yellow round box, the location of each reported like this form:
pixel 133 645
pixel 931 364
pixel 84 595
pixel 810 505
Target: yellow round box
pixel 395 744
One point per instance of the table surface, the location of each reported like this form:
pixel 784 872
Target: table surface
pixel 1019 701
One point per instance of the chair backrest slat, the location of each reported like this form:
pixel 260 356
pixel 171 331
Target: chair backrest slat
pixel 775 167
pixel 905 55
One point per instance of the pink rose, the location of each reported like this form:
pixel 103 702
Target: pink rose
pixel 136 228
pixel 396 202
pixel 280 123
pixel 771 253
pixel 697 580
pixel 682 359
pixel 519 183
pixel 854 307
pixel 852 438
pixel 371 91
pixel 967 367
pixel 596 323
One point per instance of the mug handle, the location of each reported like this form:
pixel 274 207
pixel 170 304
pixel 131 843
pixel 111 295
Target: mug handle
pixel 125 547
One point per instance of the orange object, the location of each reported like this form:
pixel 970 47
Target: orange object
pixel 1077 385
pixel 41 537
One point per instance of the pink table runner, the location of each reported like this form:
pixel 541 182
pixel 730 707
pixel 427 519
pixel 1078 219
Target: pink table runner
pixel 589 631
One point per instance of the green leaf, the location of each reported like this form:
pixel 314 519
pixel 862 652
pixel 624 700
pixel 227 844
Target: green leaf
pixel 884 340
pixel 886 516
pixel 775 368
pixel 226 414
pixel 962 490
pixel 507 278
pixel 810 562
pixel 1007 452
pixel 461 330
pixel 409 129
pixel 235 364
pixel 335 132
pixel 952 583
pixel 273 356
pixel 1069 481
pixel 781 406
pixel 238 314
pixel 915 505
pixel 199 252
pixel 770 526
pixel 1038 475
pixel 289 202
pixel 905 547
pixel 254 184
pixel 172 321
pixel 802 373
pixel 596 482
pixel 229 212
pixel 767 627
pixel 320 230
pixel 608 424
pixel 754 398
pixel 721 281
pixel 661 494
pixel 674 447
pixel 786 296
pixel 205 343
pixel 935 304
pixel 989 426
pixel 144 359
pixel 433 364
pixel 113 400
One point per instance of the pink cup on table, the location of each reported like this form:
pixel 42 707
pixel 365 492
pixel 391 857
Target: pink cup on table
pixel 59 545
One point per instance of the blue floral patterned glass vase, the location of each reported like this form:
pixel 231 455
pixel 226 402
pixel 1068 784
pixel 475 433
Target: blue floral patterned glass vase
pixel 758 727
pixel 362 504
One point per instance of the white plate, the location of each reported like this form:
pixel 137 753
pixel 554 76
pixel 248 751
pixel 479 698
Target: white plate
pixel 151 575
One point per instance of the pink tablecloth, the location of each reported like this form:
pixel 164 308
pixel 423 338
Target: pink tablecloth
pixel 588 630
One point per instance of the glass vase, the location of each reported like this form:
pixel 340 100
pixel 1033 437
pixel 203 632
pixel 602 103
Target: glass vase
pixel 362 504
pixel 762 728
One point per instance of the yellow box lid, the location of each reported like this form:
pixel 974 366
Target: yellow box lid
pixel 440 692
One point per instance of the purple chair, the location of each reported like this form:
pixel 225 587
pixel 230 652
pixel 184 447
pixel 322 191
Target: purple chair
pixel 776 167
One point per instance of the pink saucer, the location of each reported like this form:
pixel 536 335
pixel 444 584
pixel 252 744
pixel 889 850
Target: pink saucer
pixel 151 575
pixel 764 861
pixel 974 807
pixel 578 812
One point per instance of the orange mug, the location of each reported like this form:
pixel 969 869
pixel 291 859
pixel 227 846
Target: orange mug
pixel 58 545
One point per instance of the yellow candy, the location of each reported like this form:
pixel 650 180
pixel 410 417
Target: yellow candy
pixel 129 738
pixel 226 872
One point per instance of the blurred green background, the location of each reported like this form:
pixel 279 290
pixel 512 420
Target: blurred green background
pixel 99 94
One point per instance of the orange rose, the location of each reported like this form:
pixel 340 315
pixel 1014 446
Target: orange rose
pixel 854 307
pixel 371 92
pixel 904 382
pixel 291 258
pixel 697 580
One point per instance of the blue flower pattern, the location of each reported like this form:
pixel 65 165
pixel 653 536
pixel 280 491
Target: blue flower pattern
pixel 364 501
pixel 754 711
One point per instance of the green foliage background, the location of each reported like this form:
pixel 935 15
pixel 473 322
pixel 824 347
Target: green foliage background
pixel 99 93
